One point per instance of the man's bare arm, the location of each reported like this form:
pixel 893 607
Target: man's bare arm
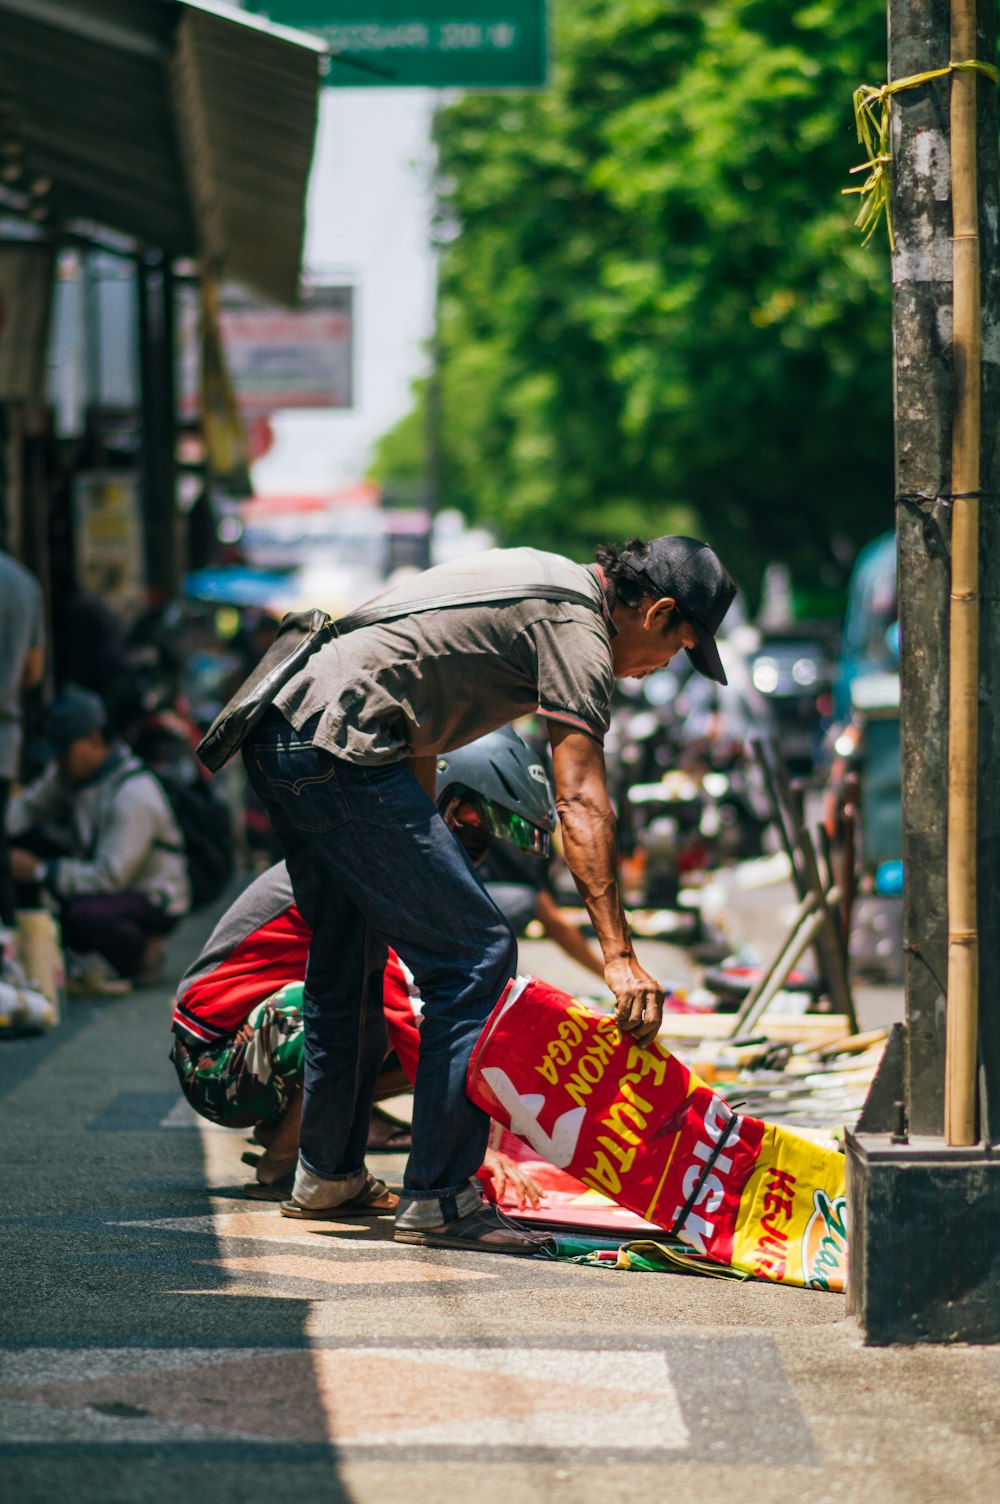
pixel 590 846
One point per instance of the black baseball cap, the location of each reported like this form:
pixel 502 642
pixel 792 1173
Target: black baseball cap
pixel 693 574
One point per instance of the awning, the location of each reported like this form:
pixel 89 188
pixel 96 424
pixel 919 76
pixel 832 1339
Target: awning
pixel 179 124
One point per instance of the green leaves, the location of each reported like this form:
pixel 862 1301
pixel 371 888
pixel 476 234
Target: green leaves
pixel 656 307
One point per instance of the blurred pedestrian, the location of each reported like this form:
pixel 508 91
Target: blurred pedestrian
pixel 22 666
pixel 96 834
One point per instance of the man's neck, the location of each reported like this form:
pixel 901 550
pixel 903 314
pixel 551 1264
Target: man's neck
pixel 608 593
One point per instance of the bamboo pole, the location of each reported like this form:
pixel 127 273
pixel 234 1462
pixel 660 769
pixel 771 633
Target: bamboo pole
pixel 962 1018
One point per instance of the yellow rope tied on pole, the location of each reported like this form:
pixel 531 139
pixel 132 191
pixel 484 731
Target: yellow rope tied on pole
pixel 871 116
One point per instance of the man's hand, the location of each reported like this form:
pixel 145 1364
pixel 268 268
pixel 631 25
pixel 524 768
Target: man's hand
pixel 639 997
pixel 24 865
pixel 504 1172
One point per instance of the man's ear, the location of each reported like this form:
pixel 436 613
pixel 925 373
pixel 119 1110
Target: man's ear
pixel 658 614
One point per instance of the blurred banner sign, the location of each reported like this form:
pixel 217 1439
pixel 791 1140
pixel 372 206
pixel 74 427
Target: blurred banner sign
pixel 108 538
pixel 467 44
pixel 277 358
pixel 226 450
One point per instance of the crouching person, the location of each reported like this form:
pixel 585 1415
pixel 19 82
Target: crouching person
pixel 238 1026
pixel 238 1034
pixel 95 836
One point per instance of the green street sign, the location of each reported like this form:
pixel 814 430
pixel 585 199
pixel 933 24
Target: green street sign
pixel 467 44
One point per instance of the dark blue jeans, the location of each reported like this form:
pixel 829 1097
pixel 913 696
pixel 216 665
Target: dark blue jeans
pixel 372 864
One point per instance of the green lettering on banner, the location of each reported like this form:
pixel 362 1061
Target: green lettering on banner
pixel 438 44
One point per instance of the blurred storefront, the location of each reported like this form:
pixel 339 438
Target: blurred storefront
pixel 144 144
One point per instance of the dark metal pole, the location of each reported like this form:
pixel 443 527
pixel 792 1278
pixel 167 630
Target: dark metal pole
pixel 921 274
pixel 908 1283
pixel 159 464
pixel 922 350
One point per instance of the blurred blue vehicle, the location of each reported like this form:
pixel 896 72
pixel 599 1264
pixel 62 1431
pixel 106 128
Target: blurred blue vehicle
pixel 865 744
pixel 871 629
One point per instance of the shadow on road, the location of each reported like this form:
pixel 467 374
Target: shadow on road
pixel 144 1354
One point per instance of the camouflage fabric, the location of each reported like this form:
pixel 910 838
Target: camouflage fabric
pixel 249 1077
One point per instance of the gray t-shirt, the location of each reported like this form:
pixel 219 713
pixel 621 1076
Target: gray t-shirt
pixel 436 680
pixel 22 628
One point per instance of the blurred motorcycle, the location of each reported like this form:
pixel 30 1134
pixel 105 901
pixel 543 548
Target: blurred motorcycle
pixel 688 793
pixel 693 819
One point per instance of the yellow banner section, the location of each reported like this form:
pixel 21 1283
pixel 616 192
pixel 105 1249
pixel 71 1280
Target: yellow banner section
pixel 792 1222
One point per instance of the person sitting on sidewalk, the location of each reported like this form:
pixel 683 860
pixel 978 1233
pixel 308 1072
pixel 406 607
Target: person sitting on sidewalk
pixel 95 834
pixel 238 1027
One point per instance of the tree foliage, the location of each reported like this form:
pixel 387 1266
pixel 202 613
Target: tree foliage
pixel 655 313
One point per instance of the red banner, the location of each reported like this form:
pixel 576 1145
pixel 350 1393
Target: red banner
pixel 636 1125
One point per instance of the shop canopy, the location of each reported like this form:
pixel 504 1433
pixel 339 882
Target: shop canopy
pixel 179 124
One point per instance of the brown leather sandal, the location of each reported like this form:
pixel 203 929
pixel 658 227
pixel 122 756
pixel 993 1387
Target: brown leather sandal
pixel 275 1190
pixel 482 1231
pixel 374 1197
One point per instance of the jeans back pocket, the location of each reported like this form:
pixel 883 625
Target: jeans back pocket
pixel 305 783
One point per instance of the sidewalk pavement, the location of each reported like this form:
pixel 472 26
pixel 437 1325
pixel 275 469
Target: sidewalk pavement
pixel 163 1338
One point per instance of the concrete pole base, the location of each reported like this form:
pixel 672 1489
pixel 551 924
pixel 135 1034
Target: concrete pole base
pixel 925 1240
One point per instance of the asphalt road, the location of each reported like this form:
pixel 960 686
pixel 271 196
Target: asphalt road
pixel 164 1338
